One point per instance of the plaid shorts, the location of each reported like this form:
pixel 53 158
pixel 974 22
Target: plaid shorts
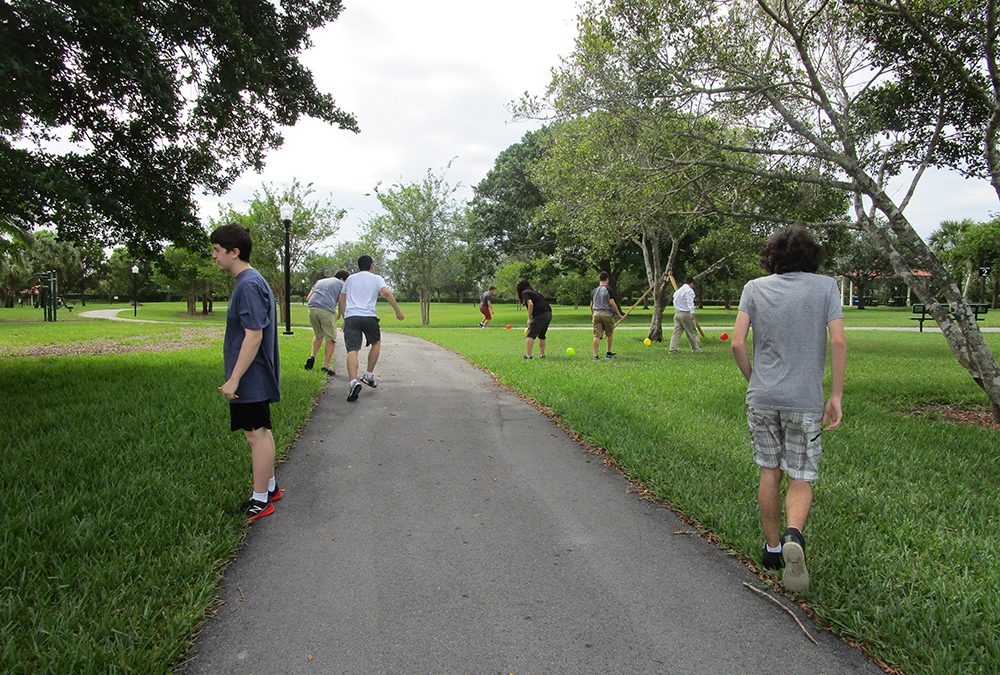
pixel 789 440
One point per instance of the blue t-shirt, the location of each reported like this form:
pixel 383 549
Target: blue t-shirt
pixel 252 306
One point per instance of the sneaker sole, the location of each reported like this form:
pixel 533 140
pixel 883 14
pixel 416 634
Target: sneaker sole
pixel 369 384
pixel 266 512
pixel 276 497
pixel 355 390
pixel 796 576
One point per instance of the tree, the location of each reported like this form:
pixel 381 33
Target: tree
pixel 192 273
pixel 946 242
pixel 801 73
pixel 312 222
pixel 504 210
pixel 418 227
pixel 115 114
pixel 863 264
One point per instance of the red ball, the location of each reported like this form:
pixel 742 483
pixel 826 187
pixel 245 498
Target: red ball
pixel 724 337
pixel 509 326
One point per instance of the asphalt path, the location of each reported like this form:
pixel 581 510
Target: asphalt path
pixel 441 524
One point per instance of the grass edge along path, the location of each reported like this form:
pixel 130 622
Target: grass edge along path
pixel 121 515
pixel 905 540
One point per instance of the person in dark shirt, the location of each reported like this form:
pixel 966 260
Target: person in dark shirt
pixel 250 357
pixel 539 317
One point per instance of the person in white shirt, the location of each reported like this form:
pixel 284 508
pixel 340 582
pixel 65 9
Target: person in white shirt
pixel 684 318
pixel 357 306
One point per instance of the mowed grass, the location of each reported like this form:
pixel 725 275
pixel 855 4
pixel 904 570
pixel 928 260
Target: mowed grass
pixel 122 482
pixel 904 535
pixel 455 315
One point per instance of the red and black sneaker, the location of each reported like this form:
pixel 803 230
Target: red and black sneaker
pixel 254 509
pixel 275 495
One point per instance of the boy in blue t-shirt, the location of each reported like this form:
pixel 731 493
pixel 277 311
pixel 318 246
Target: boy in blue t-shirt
pixel 250 355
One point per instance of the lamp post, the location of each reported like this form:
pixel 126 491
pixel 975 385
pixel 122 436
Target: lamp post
pixel 286 211
pixel 135 300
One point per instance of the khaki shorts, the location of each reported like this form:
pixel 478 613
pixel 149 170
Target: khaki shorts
pixel 324 323
pixel 789 440
pixel 603 323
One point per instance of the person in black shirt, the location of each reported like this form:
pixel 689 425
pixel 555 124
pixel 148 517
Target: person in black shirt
pixel 539 317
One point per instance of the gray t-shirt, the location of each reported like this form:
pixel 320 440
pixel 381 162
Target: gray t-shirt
pixel 486 299
pixel 326 294
pixel 252 306
pixel 600 299
pixel 788 315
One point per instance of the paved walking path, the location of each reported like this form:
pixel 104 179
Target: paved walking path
pixel 440 524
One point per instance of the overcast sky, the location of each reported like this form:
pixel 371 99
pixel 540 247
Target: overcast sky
pixel 431 81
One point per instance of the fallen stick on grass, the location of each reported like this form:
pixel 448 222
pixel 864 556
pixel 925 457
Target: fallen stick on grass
pixel 790 612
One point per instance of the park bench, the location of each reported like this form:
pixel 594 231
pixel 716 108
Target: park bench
pixel 978 310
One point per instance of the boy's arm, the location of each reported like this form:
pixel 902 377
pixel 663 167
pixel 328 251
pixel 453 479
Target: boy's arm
pixel 341 304
pixel 387 294
pixel 614 306
pixel 740 332
pixel 531 308
pixel 833 414
pixel 248 350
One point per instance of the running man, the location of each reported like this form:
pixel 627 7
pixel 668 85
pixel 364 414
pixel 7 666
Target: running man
pixel 357 306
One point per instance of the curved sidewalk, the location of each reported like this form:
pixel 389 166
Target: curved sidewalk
pixel 441 524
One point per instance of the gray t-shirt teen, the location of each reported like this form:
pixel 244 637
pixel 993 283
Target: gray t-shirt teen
pixel 486 299
pixel 788 315
pixel 252 306
pixel 326 294
pixel 600 299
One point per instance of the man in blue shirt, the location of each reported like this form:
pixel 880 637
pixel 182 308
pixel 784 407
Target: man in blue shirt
pixel 250 355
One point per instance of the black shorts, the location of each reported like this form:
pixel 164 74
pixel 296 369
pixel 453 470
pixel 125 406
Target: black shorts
pixel 539 324
pixel 356 326
pixel 249 416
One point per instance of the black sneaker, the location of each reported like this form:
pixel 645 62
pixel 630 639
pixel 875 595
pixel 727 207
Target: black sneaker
pixel 609 355
pixel 771 561
pixel 527 358
pixel 368 380
pixel 254 509
pixel 353 391
pixel 597 358
pixel 310 362
pixel 793 552
pixel 328 371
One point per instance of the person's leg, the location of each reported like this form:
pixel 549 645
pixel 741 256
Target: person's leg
pixel 769 501
pixel 352 366
pixel 541 347
pixel 328 354
pixel 610 340
pixel 315 348
pixel 373 356
pixel 798 502
pixel 261 456
pixel 675 336
pixel 529 346
pixel 597 346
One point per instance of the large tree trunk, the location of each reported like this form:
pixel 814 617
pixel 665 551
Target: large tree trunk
pixel 953 316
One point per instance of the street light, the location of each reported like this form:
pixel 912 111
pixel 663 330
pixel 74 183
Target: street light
pixel 286 211
pixel 135 300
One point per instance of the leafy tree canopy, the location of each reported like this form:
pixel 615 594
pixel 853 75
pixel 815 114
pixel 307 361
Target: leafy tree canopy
pixel 115 113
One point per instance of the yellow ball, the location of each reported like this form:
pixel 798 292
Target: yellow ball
pixel 647 342
pixel 570 351
pixel 525 331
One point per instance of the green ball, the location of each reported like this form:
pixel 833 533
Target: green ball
pixel 570 351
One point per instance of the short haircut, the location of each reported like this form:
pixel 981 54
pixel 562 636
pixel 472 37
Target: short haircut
pixel 233 236
pixel 689 280
pixel 341 274
pixel 492 288
pixel 792 250
pixel 365 263
pixel 603 276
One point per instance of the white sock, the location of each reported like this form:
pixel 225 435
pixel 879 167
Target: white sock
pixel 259 496
pixel 776 549
pixel 369 374
pixel 271 484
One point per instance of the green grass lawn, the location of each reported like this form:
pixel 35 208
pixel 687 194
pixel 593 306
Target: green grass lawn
pixel 904 536
pixel 123 478
pixel 122 482
pixel 454 315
